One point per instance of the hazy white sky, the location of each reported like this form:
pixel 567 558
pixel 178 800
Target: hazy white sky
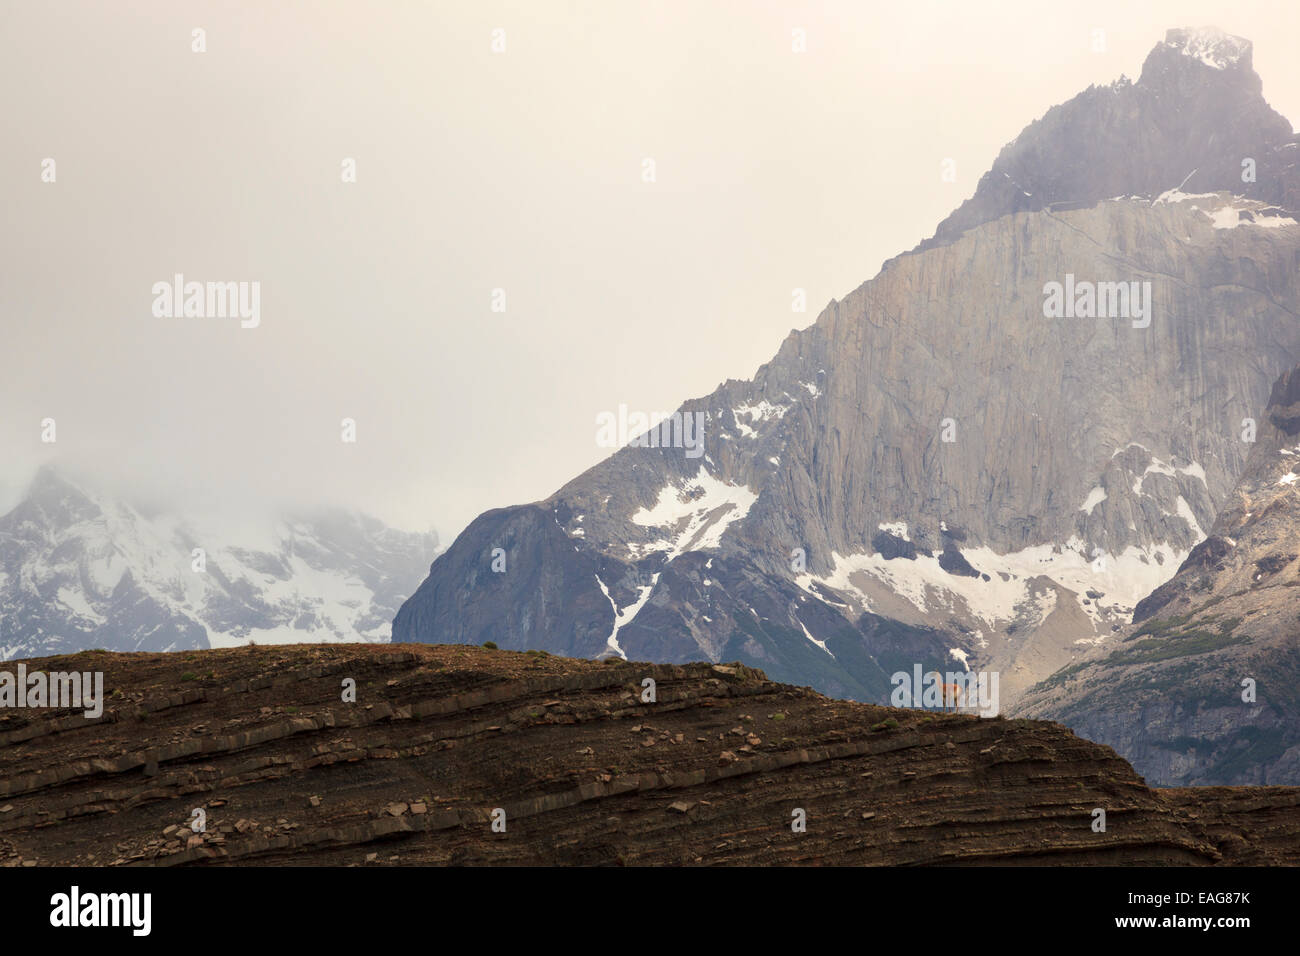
pixel 477 170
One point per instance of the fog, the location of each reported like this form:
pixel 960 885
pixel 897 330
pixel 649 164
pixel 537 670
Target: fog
pixel 522 170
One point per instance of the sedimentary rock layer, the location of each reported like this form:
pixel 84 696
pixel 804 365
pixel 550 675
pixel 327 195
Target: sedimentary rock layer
pixel 586 772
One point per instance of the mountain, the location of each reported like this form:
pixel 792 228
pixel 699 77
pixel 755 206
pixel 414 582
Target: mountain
pixel 1172 695
pixel 80 569
pixel 935 471
pixel 585 773
pixel 1193 117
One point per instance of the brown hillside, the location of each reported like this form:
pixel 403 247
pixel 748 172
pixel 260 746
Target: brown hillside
pixel 587 774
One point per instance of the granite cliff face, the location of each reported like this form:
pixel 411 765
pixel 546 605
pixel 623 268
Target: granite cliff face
pixel 1202 688
pixel 935 471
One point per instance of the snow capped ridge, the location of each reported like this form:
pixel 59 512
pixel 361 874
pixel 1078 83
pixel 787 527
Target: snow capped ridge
pixel 1209 45
pixel 1227 210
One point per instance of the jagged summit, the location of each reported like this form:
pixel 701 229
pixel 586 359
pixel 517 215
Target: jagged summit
pixel 1195 118
pixel 1210 46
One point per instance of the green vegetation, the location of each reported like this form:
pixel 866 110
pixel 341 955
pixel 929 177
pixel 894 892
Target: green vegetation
pixel 1060 677
pixel 1159 628
pixel 1185 644
pixel 889 723
pixel 490 645
pixel 1252 748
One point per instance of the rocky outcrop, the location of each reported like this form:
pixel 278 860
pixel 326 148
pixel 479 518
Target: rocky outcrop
pixel 1203 688
pixel 581 769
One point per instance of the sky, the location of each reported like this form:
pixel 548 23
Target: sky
pixel 522 168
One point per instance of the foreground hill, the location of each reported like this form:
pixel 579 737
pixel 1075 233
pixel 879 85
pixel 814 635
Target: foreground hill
pixel 440 736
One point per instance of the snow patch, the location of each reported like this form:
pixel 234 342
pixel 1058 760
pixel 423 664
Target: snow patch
pixel 1211 46
pixel 1095 497
pixel 1010 592
pixel 808 634
pixel 697 514
pixel 759 412
pixel 1184 511
pixel 625 617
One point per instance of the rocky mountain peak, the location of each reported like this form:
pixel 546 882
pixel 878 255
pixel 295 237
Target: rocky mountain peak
pixel 54 499
pixel 1196 118
pixel 1207 45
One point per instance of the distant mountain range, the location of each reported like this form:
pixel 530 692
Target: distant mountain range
pixel 80 569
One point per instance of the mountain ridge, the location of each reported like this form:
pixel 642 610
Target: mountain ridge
pixel 82 569
pixel 1075 153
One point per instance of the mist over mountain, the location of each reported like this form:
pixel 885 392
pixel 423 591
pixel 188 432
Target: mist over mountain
pixel 80 569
